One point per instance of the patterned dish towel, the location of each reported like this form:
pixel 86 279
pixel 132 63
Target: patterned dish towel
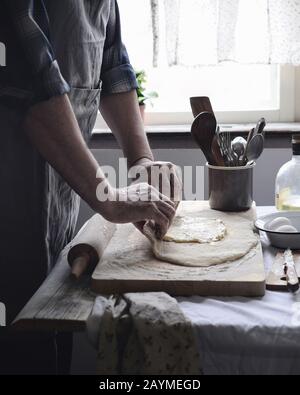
pixel 142 333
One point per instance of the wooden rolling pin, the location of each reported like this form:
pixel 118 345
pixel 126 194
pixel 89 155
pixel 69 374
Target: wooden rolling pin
pixel 88 246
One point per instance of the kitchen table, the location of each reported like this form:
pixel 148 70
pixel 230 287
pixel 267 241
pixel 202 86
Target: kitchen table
pixel 235 335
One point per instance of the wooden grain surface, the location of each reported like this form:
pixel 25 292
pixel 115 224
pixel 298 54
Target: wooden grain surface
pixel 61 304
pixel 128 265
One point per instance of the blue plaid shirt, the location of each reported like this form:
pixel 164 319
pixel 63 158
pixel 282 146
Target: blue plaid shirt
pixel 32 74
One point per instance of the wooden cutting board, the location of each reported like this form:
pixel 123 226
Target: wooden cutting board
pixel 128 265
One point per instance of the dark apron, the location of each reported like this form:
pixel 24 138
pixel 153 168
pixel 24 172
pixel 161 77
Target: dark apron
pixel 38 210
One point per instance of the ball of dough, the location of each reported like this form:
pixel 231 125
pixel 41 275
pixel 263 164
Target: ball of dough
pixel 278 222
pixel 287 229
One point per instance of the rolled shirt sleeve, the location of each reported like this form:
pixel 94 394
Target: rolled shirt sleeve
pixel 30 24
pixel 117 74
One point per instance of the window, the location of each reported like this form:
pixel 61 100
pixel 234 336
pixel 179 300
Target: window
pixel 239 92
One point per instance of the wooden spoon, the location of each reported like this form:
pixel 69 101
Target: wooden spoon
pixel 203 131
pixel 200 104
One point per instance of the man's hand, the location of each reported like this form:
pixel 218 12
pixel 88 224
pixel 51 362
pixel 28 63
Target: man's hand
pixel 137 204
pixel 164 176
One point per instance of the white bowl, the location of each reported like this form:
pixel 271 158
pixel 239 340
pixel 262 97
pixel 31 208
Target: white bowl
pixel 281 240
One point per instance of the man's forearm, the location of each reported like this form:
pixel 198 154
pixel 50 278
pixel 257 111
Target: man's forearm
pixel 54 131
pixel 122 114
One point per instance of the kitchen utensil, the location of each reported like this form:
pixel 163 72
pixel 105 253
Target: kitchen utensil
pixel 223 140
pixel 283 240
pixel 88 246
pixel 216 150
pixel 230 188
pixel 290 272
pixel 200 104
pixel 238 146
pixel 203 130
pixel 277 279
pixel 230 156
pixel 233 155
pixel 259 129
pixel 255 148
pixel 221 143
pixel 249 138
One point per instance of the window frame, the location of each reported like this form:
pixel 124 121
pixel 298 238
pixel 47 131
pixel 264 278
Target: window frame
pixel 285 113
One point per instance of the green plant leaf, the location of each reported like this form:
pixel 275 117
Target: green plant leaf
pixel 143 95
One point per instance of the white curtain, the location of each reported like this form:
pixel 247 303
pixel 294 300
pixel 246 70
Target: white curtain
pixel 245 31
pixel 207 32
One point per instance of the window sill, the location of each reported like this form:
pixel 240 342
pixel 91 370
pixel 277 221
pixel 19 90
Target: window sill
pixel 179 136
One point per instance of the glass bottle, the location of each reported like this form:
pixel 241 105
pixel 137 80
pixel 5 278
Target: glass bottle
pixel 288 181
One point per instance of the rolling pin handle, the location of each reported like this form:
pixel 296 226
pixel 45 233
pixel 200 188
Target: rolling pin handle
pixel 80 265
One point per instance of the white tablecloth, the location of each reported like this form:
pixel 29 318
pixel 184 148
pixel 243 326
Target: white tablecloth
pixel 247 336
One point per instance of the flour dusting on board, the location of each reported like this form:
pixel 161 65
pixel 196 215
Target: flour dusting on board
pixel 191 229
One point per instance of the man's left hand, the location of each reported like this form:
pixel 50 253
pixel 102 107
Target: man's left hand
pixel 164 176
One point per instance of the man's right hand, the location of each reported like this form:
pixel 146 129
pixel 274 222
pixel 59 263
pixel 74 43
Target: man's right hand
pixel 139 203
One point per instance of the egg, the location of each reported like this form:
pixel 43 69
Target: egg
pixel 287 229
pixel 278 222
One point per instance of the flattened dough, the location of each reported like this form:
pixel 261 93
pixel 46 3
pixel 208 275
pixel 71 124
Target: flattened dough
pixel 239 240
pixel 193 229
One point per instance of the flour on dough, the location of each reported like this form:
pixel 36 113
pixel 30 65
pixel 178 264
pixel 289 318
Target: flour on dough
pixel 238 241
pixel 191 229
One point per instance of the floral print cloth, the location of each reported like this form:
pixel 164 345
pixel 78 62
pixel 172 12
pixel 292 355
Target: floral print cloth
pixel 142 333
